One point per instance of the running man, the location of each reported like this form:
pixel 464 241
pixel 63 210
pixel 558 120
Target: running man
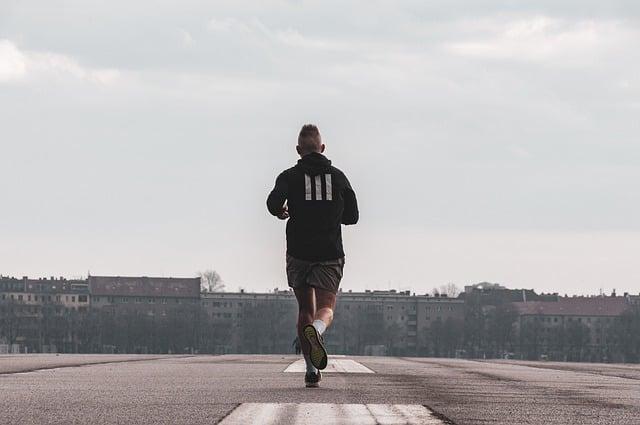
pixel 316 198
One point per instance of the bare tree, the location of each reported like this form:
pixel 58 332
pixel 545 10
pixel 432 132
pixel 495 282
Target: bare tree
pixel 210 281
pixel 450 290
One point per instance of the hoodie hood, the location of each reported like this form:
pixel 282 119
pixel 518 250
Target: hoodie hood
pixel 314 163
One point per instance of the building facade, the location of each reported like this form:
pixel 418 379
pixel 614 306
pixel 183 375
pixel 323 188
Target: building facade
pixel 148 295
pixel 42 315
pixel 371 322
pixel 571 328
pixel 112 314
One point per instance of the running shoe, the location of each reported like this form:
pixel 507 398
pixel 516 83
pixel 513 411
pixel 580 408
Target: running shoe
pixel 312 379
pixel 318 353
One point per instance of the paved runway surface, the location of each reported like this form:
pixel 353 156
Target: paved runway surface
pixel 238 389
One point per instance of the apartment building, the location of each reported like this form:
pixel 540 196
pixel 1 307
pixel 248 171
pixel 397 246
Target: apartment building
pixel 148 295
pixel 25 304
pixel 584 323
pixel 365 322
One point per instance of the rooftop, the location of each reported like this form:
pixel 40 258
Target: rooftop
pixel 43 285
pixel 145 286
pixel 575 306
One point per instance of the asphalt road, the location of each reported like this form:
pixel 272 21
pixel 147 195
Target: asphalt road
pixel 78 389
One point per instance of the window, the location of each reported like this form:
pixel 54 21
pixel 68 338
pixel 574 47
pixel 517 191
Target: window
pixel 19 297
pixel 73 299
pixel 138 300
pixel 28 297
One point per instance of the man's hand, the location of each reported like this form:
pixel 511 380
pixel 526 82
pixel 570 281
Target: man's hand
pixel 284 214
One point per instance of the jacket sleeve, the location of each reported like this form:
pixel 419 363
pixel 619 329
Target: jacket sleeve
pixel 351 213
pixel 278 195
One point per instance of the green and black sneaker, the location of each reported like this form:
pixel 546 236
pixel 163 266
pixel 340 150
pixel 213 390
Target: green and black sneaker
pixel 318 353
pixel 312 379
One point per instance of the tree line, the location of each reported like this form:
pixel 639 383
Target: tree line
pixel 268 327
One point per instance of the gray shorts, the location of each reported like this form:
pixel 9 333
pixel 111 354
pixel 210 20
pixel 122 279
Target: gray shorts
pixel 319 274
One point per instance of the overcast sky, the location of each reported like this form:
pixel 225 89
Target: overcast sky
pixel 486 140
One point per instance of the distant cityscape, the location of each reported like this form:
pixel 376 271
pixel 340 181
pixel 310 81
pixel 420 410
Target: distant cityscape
pixel 116 314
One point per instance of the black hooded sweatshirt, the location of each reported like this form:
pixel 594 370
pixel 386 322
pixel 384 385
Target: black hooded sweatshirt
pixel 320 199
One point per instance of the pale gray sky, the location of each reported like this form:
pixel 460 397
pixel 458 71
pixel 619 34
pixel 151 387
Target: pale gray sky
pixel 487 140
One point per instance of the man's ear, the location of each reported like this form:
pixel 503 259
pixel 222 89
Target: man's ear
pixel 298 150
pixel 322 148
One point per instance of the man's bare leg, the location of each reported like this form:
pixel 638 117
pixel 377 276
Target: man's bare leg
pixel 325 305
pixel 306 313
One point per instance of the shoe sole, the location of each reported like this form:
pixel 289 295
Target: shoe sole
pixel 314 384
pixel 318 353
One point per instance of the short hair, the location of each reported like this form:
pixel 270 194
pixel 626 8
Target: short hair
pixel 309 138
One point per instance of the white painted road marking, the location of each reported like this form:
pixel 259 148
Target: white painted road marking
pixel 326 413
pixel 334 365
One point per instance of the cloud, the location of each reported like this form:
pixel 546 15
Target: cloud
pixel 542 39
pixel 288 36
pixel 519 152
pixel 231 25
pixel 13 63
pixel 186 38
pixel 20 65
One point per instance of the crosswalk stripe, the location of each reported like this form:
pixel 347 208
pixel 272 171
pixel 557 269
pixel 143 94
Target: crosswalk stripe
pixel 334 365
pixel 308 413
pixel 314 413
